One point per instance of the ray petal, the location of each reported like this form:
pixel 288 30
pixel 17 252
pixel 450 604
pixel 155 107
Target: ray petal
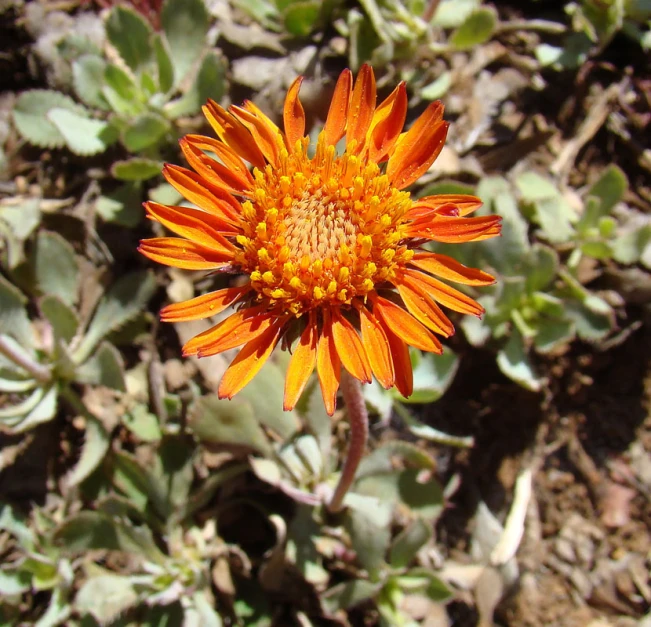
pixel 387 124
pixel 293 115
pixel 249 360
pixel 450 269
pixel 423 308
pixel 266 134
pixel 404 374
pixel 455 230
pixel 463 203
pixel 350 348
pixel 377 348
pixel 335 125
pixel 362 107
pixel 181 253
pixel 328 365
pixel 301 365
pixel 203 306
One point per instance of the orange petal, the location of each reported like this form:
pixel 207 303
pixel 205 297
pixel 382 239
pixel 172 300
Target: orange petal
pixel 249 361
pixel 335 125
pixel 232 132
pixel 350 348
pixel 203 306
pixel 234 331
pixel 239 176
pixel 265 133
pixel 387 124
pixel 301 364
pixel 463 203
pixel 377 348
pixel 405 326
pixel 444 294
pixel 208 196
pixel 451 269
pixel 196 225
pixel 402 368
pixel 362 106
pixel 455 230
pixel 417 149
pixel 328 365
pixel 181 253
pixel 423 308
pixel 293 115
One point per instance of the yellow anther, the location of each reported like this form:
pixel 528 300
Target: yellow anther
pixel 317 268
pixel 367 285
pixel 285 184
pixel 344 273
pixel 366 244
pixel 256 276
pixel 261 230
pixel 295 283
pixel 263 255
pixel 318 293
pixel 268 277
pixel 342 295
pixel 283 254
pixel 332 287
pixel 278 293
pixel 272 215
pixel 305 263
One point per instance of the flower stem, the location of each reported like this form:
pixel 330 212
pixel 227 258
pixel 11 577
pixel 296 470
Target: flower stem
pixel 38 371
pixel 351 390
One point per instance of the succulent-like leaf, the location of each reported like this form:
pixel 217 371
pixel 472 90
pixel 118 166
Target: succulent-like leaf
pixel 131 35
pixel 514 362
pixel 104 367
pixel 123 205
pixel 163 64
pixel 541 267
pixel 83 135
pixel 136 169
pixel 477 28
pixel 40 407
pixel 105 597
pixel 88 80
pixel 453 13
pixel 348 594
pixel 630 245
pixel 553 334
pixel 121 92
pixel 301 17
pixel 142 423
pixel 62 318
pixel 145 131
pixel 14 320
pixel 31 116
pixel 408 542
pixel 96 444
pixel 185 23
pixel 55 267
pixel 124 300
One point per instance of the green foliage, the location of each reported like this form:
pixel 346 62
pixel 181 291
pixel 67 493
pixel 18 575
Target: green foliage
pixel 138 99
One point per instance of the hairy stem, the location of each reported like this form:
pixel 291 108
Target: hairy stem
pixel 351 390
pixel 38 371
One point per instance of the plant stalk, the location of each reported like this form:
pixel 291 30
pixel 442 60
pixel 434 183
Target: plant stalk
pixel 38 371
pixel 351 390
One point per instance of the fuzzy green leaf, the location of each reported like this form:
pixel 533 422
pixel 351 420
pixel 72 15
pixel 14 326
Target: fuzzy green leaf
pixel 300 17
pixel 105 597
pixel 145 131
pixel 142 423
pixel 453 13
pixel 122 92
pixel 96 444
pixel 88 80
pixel 31 116
pixel 39 408
pixel 55 267
pixel 124 300
pixel 553 334
pixel 105 367
pixel 122 206
pixel 62 318
pixel 83 135
pixel 185 24
pixel 14 320
pixel 541 267
pixel 408 542
pixel 608 191
pixel 477 28
pixel 136 169
pixel 630 245
pixel 131 35
pixel 345 595
pixel 514 362
pixel 163 65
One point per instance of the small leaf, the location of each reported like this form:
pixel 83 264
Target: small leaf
pixel 44 411
pixel 122 92
pixel 453 13
pixel 14 582
pixel 30 116
pixel 185 23
pixel 300 17
pixel 14 320
pixel 318 422
pixel 105 597
pixel 131 35
pixel 105 367
pixel 345 595
pixel 83 135
pixel 55 267
pixel 590 326
pixel 145 131
pixel 228 423
pixel 62 318
pixel 477 28
pixel 608 191
pixel 88 79
pixel 629 246
pixel 142 423
pixel 124 300
pixel 123 205
pixel 96 444
pixel 408 542
pixel 541 267
pixel 163 64
pixel 438 88
pixel 514 362
pixel 552 334
pixel 136 169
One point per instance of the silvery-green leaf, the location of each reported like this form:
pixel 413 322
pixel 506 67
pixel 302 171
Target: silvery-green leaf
pixel 14 320
pixel 15 380
pixel 345 595
pixel 185 24
pixel 477 28
pixel 163 64
pixel 44 410
pixel 131 35
pixel 453 13
pixel 421 580
pixel 123 205
pixel 30 116
pixel 210 82
pixel 136 169
pixel 379 399
pixel 14 582
pixel 318 421
pixel 124 300
pixel 55 267
pixel 380 461
pixel 142 423
pixel 514 362
pixel 22 217
pixel 58 609
pixel 96 444
pixel 607 191
pixel 408 542
pixel 590 325
pixel 629 247
pixel 300 17
pixel 427 432
pixel 165 194
pixel 105 597
pixel 15 523
pixel 541 267
pixel 62 318
pixel 265 395
pixel 547 304
pixel 121 92
pixel 203 607
pixel 88 79
pixel 553 334
pixel 104 367
pixel 228 423
pixel 145 131
pixel 438 88
pixel 83 135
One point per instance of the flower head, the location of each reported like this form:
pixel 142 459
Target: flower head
pixel 331 244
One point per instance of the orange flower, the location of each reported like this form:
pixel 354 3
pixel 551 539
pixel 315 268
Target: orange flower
pixel 331 244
